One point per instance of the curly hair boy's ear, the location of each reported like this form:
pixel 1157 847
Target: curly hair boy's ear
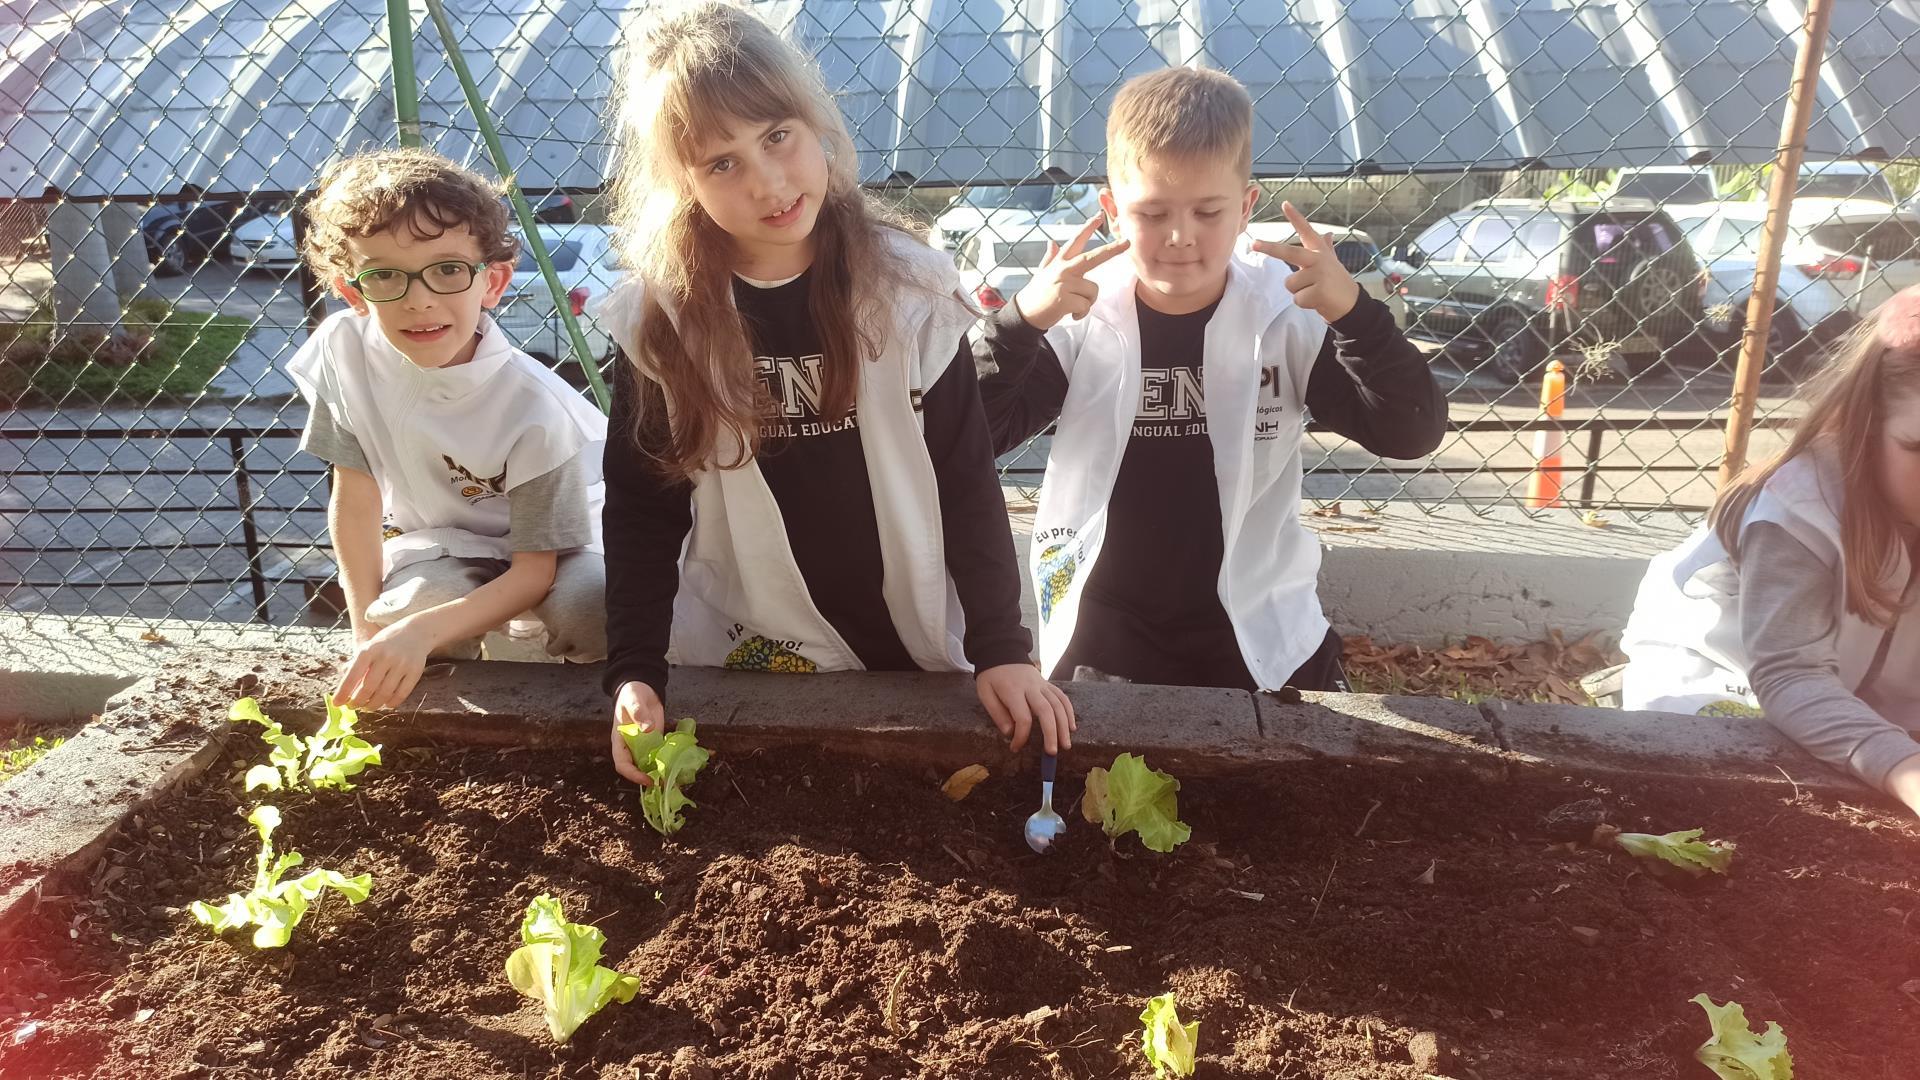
pixel 344 290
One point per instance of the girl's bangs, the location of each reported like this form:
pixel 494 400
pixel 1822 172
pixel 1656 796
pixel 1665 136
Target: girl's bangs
pixel 712 100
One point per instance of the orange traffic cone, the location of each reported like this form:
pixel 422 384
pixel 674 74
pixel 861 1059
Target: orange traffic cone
pixel 1543 487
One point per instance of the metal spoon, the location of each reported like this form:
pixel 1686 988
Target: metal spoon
pixel 1044 825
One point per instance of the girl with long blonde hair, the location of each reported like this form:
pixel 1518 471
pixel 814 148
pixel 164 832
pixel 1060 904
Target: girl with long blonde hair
pixel 1795 598
pixel 799 474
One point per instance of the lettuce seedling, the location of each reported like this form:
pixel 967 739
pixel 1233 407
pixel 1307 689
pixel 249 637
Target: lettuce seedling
pixel 559 967
pixel 1683 849
pixel 671 762
pixel 325 760
pixel 1168 1045
pixel 1734 1052
pixel 1133 798
pixel 276 906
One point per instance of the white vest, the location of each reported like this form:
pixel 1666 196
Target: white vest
pixel 740 587
pixel 448 445
pixel 1260 348
pixel 1683 642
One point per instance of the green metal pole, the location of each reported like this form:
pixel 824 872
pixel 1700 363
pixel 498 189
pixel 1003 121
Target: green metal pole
pixel 561 305
pixel 406 89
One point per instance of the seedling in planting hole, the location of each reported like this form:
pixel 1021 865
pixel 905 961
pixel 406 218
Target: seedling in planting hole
pixel 1169 1046
pixel 276 906
pixel 1683 849
pixel 1734 1052
pixel 1133 798
pixel 559 967
pixel 324 761
pixel 671 762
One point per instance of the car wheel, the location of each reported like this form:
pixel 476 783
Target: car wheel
pixel 170 257
pixel 1517 348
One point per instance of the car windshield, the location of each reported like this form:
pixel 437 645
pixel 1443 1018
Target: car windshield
pixel 564 254
pixel 1845 186
pixel 1667 187
pixel 1033 198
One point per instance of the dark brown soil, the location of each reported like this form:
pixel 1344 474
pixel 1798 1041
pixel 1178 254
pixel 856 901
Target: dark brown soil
pixel 823 917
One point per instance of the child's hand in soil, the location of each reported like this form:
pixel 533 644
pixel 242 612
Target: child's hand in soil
pixel 1017 697
pixel 386 667
pixel 636 704
pixel 1318 282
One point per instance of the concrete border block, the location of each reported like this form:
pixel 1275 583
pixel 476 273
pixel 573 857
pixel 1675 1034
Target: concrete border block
pixel 1671 744
pixel 1373 728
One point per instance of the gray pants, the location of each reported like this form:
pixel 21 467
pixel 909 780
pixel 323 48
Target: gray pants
pixel 574 610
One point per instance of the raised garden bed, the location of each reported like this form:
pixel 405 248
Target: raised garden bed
pixel 828 912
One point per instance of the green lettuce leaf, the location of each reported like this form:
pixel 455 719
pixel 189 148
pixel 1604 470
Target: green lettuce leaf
pixel 1168 1045
pixel 325 760
pixel 1130 797
pixel 275 906
pixel 1683 849
pixel 672 762
pixel 559 967
pixel 1734 1052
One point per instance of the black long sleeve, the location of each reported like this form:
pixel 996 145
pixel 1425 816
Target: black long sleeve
pixel 1372 385
pixel 1025 395
pixel 973 517
pixel 645 524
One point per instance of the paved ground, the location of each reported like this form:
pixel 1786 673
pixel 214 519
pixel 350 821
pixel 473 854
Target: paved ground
pixel 152 526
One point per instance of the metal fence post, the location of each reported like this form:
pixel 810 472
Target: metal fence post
pixel 243 490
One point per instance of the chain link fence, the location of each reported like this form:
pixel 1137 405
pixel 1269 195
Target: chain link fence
pixel 1524 181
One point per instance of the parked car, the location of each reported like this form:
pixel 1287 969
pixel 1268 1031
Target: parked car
pixel 1356 251
pixel 994 265
pixel 1851 180
pixel 182 234
pixel 1840 261
pixel 1007 210
pixel 1667 186
pixel 266 242
pixel 588 266
pixel 1517 279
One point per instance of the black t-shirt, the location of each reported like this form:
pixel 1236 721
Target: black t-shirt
pixel 817 471
pixel 1155 589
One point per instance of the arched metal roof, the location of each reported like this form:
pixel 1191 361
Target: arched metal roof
pixel 143 96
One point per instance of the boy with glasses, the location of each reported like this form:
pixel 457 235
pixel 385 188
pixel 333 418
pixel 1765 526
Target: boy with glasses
pixel 466 486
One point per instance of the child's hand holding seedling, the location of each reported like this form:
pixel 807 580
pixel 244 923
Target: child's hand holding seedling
pixel 1318 282
pixel 639 706
pixel 1060 288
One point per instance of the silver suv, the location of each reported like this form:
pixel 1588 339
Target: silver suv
pixel 1516 280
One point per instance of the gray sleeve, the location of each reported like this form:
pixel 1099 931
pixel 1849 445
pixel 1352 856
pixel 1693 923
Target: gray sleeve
pixel 325 439
pixel 1786 620
pixel 550 512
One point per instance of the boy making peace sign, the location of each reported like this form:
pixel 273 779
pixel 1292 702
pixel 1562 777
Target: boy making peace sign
pixel 1167 547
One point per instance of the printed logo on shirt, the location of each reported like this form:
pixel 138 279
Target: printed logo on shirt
pixel 797 386
pixel 1173 404
pixel 1270 416
pixel 474 488
pixel 756 653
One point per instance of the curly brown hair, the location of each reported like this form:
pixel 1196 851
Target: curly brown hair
pixel 379 190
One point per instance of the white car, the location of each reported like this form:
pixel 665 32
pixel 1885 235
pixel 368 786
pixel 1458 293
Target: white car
pixel 1842 258
pixel 266 243
pixel 588 266
pixel 994 265
pixel 1356 251
pixel 1851 181
pixel 1009 210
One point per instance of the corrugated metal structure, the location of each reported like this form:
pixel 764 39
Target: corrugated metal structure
pixel 137 97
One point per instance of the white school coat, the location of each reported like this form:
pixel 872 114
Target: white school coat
pixel 1683 642
pixel 1260 349
pixel 740 588
pixel 447 446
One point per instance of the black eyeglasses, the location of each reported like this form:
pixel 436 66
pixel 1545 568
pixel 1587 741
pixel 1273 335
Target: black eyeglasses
pixel 382 286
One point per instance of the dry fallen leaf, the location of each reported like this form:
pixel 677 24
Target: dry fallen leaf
pixel 962 783
pixel 1327 511
pixel 153 636
pixel 1427 877
pixel 1096 795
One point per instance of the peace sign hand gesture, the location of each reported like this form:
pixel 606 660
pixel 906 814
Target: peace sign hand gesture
pixel 1318 282
pixel 1060 287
